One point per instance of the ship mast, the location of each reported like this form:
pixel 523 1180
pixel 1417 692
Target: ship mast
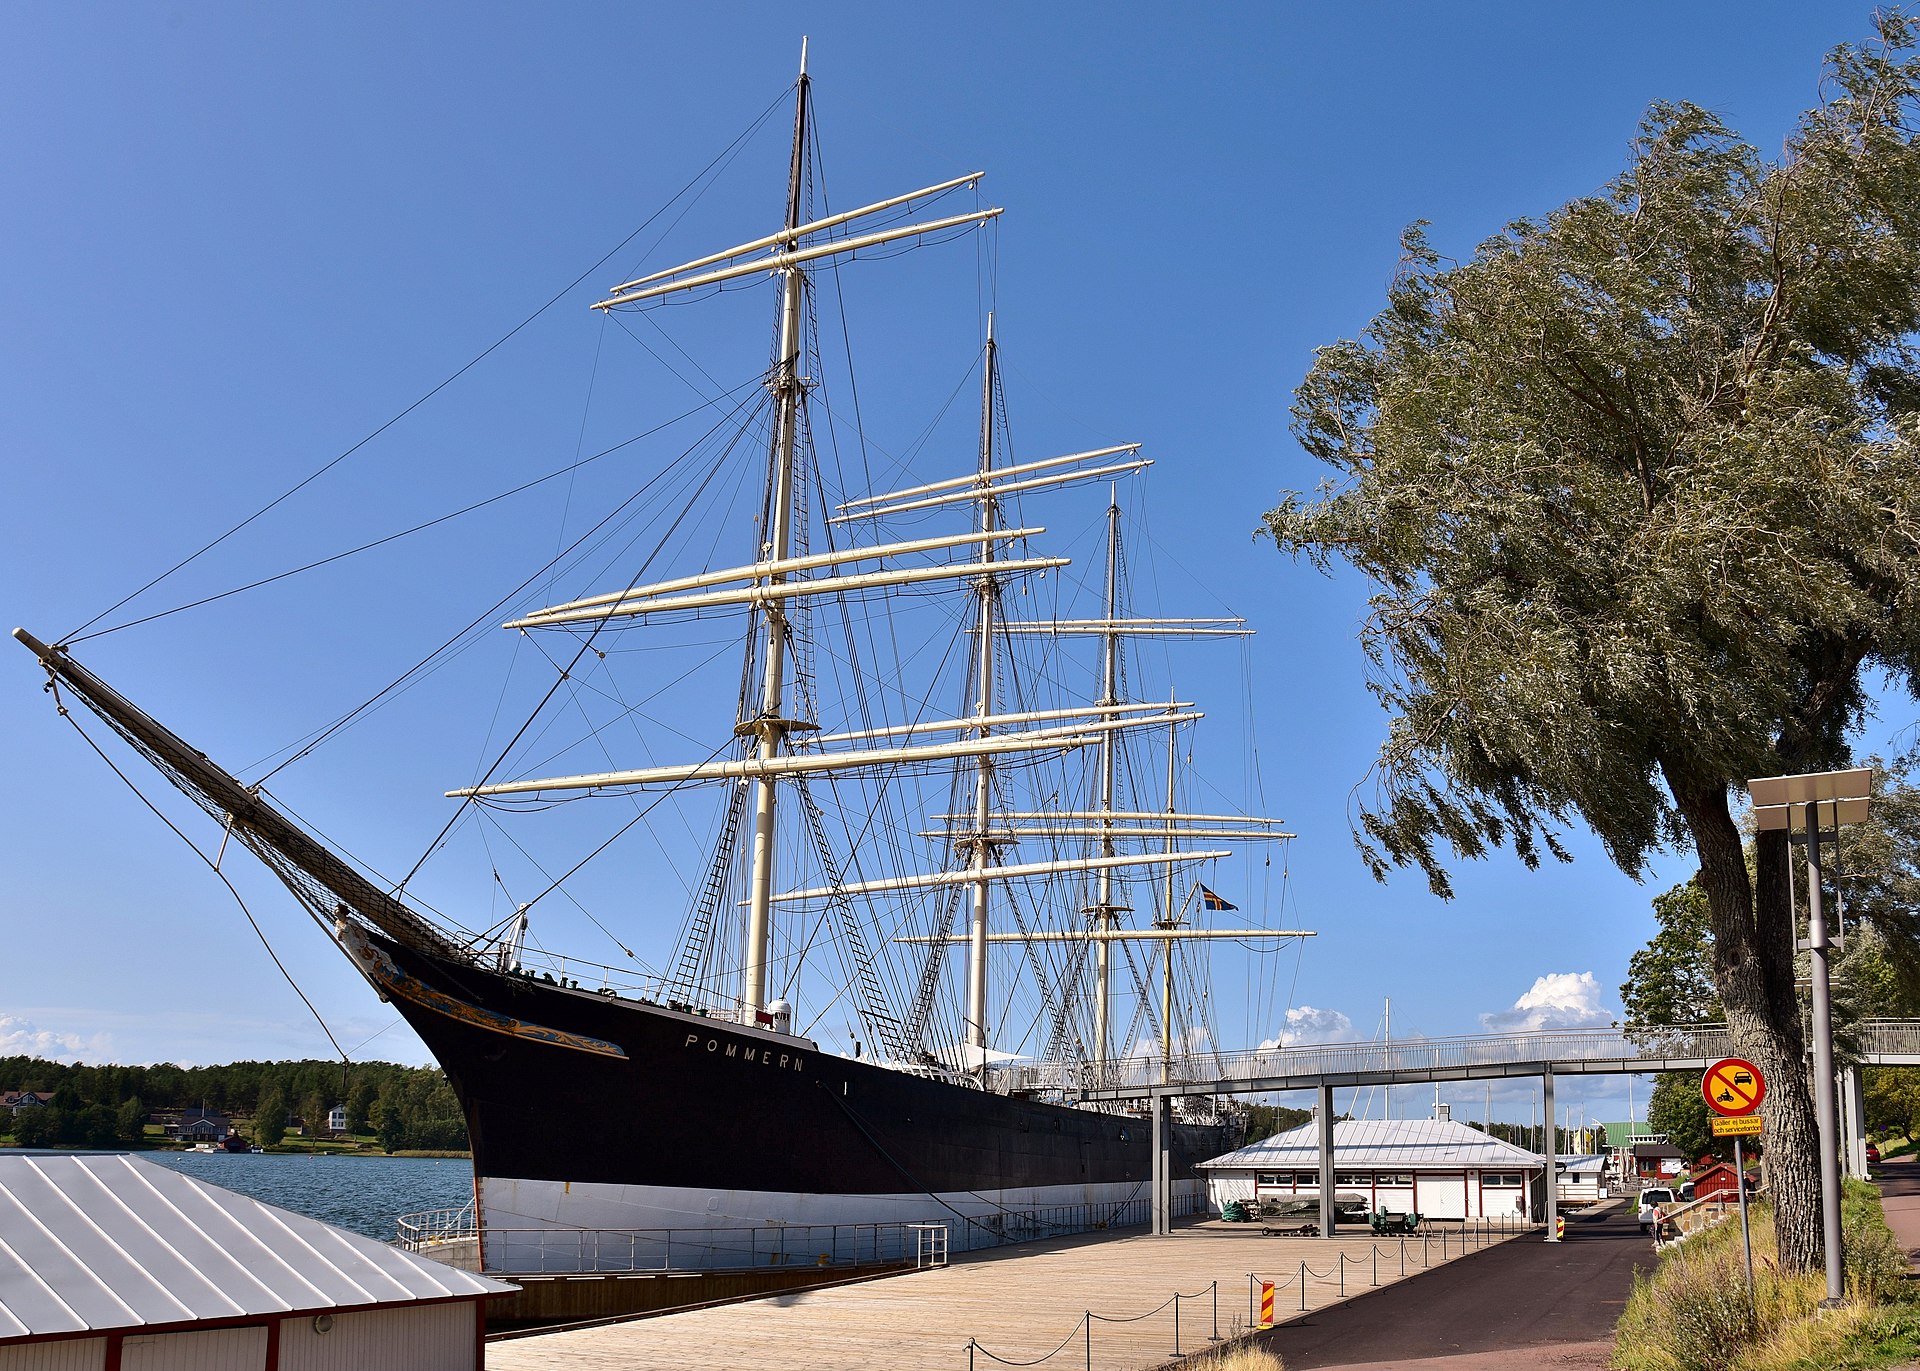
pixel 1170 920
pixel 769 729
pixel 987 592
pixel 1104 914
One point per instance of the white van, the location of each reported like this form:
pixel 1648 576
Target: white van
pixel 1653 1197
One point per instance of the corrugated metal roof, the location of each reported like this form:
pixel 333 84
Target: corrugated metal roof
pixel 1582 1163
pixel 1385 1145
pixel 103 1241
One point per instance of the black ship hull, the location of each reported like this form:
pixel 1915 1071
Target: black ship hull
pixel 599 1122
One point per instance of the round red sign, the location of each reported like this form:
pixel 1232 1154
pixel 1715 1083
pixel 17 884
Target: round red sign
pixel 1733 1087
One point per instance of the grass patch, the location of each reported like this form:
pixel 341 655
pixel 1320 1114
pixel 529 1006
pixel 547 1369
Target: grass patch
pixel 1692 1313
pixel 1236 1359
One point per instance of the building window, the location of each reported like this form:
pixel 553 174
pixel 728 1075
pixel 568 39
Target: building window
pixel 1399 1178
pixel 1361 1179
pixel 1268 1178
pixel 1490 1179
pixel 1306 1178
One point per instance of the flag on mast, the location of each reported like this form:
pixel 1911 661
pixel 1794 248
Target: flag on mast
pixel 1209 900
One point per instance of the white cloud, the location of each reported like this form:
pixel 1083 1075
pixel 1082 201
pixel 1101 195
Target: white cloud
pixel 1306 1024
pixel 1561 999
pixel 1194 1040
pixel 21 1038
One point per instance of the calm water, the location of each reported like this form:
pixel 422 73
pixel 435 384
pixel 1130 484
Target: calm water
pixel 365 1194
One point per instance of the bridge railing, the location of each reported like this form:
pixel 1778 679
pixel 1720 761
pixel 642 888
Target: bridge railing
pixel 1875 1038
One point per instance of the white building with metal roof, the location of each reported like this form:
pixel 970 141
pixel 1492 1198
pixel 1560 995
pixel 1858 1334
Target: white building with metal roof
pixel 1437 1167
pixel 107 1261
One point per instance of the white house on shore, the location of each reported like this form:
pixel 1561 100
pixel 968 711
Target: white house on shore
pixel 1437 1167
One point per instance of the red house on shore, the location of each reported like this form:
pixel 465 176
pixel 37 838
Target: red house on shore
pixel 1716 1182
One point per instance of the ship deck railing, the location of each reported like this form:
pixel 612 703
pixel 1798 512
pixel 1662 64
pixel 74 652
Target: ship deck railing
pixel 428 1227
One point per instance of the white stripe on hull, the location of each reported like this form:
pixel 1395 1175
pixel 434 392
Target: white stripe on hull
pixel 530 1226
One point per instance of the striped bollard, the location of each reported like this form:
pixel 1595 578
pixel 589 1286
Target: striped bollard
pixel 1559 1227
pixel 1266 1304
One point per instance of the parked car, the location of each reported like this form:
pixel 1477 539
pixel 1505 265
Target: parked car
pixel 1686 1192
pixel 1873 1155
pixel 1655 1198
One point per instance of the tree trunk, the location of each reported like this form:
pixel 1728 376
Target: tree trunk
pixel 1753 967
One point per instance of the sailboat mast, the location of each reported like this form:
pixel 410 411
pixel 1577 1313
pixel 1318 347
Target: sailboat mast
pixel 988 593
pixel 769 728
pixel 1104 913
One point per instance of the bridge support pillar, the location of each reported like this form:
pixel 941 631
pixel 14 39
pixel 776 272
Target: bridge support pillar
pixel 1323 1115
pixel 1551 1150
pixel 1161 1204
pixel 1853 1123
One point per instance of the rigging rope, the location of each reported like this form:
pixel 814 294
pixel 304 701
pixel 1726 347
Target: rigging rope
pixel 485 616
pixel 211 864
pixel 291 491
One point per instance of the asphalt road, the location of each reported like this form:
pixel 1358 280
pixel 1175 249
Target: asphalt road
pixel 1899 1181
pixel 1523 1304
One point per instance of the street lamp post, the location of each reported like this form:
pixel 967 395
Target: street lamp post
pixel 1789 802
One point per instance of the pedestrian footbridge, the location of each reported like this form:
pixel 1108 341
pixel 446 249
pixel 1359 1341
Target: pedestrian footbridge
pixel 1487 1057
pixel 1496 1056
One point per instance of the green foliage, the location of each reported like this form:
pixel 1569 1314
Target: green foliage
pixel 270 1118
pixel 37 1127
pixel 1634 485
pixel 1891 1097
pixel 1691 1313
pixel 1677 1109
pixel 429 1116
pixel 1265 1120
pixel 418 1114
pixel 359 1101
pixel 1634 482
pixel 1874 878
pixel 1670 980
pixel 1877 1268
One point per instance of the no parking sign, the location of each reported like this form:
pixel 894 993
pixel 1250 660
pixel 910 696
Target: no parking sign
pixel 1733 1087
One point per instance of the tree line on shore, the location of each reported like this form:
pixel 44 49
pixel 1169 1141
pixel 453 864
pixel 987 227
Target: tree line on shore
pixel 405 1107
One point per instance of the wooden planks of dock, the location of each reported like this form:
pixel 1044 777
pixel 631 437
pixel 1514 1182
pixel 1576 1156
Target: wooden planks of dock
pixel 1018 1303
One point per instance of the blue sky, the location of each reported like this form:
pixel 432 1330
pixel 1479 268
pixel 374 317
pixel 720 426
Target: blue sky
pixel 242 237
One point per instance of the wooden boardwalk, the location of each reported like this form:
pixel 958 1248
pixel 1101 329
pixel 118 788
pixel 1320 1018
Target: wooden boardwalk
pixel 1020 1303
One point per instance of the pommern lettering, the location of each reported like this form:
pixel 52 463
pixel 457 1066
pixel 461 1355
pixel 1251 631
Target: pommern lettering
pixel 764 1055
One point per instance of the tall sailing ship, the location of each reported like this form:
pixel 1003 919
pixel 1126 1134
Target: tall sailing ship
pixel 712 1100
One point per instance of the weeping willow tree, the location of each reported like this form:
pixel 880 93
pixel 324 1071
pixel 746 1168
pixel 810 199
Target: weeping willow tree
pixel 1638 489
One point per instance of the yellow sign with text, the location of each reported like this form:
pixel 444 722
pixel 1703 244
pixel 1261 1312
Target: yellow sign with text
pixel 1740 1126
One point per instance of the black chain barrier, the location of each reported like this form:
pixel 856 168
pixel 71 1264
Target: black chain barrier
pixel 1476 1237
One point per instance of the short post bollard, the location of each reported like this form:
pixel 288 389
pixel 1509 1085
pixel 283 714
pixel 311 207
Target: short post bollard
pixel 1176 1323
pixel 970 1347
pixel 1088 1316
pixel 1375 1278
pixel 1216 1312
pixel 1343 1275
pixel 1303 1286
